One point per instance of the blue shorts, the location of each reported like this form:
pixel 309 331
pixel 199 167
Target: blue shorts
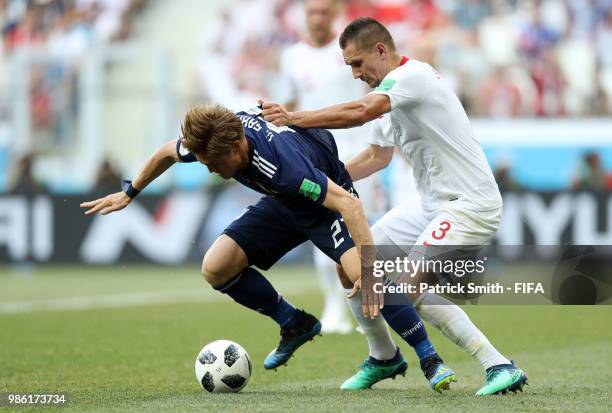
pixel 270 229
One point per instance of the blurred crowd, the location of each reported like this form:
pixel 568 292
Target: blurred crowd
pixel 64 26
pixel 591 175
pixel 65 29
pixel 504 58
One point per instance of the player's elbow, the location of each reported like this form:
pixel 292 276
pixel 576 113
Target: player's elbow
pixel 383 157
pixel 377 159
pixel 168 152
pixel 368 109
pixel 360 115
pixel 349 205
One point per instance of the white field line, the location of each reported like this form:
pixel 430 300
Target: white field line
pixel 137 299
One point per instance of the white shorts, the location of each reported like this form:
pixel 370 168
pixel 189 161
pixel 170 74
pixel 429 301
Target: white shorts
pixel 408 224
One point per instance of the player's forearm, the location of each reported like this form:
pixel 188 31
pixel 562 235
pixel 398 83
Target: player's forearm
pixel 360 171
pixel 344 115
pixel 354 216
pixel 157 164
pixel 350 208
pixel 362 166
pixel 368 162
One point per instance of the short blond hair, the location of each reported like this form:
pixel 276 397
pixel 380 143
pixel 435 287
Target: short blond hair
pixel 211 130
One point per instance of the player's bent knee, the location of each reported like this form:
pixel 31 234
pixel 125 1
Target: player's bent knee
pixel 211 273
pixel 215 274
pixel 223 261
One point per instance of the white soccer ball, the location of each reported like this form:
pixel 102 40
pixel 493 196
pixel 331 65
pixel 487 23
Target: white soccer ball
pixel 223 367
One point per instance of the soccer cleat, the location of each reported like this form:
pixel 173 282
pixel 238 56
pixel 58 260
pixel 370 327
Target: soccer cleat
pixel 371 371
pixel 292 339
pixel 437 373
pixel 503 378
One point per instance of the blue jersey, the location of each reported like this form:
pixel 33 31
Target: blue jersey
pixel 291 164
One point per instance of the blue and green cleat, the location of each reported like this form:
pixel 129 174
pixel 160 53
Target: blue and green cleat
pixel 502 379
pixel 439 375
pixel 371 371
pixel 292 339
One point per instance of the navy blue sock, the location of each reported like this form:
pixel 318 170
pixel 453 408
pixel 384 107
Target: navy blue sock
pixel 404 320
pixel 425 349
pixel 251 289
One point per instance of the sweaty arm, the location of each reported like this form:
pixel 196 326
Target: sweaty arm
pixel 157 164
pixel 343 115
pixel 351 209
pixel 369 161
pixel 400 89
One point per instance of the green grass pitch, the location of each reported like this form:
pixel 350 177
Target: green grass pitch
pixel 125 339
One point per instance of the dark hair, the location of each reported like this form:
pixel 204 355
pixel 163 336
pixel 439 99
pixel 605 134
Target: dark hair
pixel 211 130
pixel 365 32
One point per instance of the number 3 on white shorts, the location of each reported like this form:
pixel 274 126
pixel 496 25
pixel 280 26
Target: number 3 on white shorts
pixel 439 233
pixel 336 229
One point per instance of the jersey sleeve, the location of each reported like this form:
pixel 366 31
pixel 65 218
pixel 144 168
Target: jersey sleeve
pixel 404 88
pixel 377 136
pixel 183 154
pixel 296 176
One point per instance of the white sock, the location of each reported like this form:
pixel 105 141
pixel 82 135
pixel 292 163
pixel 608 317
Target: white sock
pixel 380 342
pixel 454 323
pixel 331 287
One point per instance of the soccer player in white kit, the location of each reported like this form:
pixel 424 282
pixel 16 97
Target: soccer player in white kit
pixel 418 113
pixel 304 85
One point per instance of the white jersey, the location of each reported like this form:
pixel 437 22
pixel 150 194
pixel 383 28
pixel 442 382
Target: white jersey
pixel 314 77
pixel 429 125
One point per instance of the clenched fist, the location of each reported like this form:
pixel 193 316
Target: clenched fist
pixel 275 113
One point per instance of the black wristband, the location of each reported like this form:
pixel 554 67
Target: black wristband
pixel 129 189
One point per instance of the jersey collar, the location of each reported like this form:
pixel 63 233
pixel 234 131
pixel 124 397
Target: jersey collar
pixel 404 60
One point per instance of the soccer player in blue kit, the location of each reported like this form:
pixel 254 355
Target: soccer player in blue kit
pixel 309 195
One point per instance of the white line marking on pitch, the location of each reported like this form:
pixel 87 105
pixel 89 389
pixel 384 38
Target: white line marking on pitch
pixel 136 299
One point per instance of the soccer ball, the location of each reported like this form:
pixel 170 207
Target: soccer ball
pixel 223 367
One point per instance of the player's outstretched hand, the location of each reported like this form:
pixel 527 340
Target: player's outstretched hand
pixel 110 203
pixel 275 113
pixel 371 303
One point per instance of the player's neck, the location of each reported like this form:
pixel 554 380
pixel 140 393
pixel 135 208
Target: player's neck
pixel 245 153
pixel 395 61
